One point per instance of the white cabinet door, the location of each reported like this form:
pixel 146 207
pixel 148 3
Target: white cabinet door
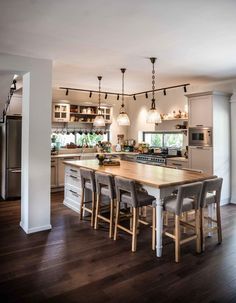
pixel 201 158
pixel 200 111
pixel 60 112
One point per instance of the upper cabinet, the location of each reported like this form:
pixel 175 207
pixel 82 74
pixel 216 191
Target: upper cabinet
pixel 60 112
pixel 200 110
pixel 79 113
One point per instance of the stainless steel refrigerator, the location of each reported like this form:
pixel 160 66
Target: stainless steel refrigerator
pixel 11 157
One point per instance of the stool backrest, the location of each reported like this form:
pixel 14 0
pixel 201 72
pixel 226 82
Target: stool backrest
pixel 88 175
pixel 192 191
pixel 209 186
pixel 123 186
pixel 107 180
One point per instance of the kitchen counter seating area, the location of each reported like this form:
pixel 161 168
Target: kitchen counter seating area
pixel 158 181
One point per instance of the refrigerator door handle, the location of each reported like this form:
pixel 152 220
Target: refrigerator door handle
pixel 16 171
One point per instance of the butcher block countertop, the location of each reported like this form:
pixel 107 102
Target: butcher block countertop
pixel 155 176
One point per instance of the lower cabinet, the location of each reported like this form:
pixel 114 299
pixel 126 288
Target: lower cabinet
pixel 72 194
pixel 53 173
pixel 58 172
pixel 177 163
pixel 201 158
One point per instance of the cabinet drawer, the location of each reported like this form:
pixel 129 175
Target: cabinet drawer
pixel 72 194
pixel 72 170
pixel 177 164
pixel 73 180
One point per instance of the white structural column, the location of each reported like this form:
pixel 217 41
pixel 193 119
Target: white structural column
pixel 233 147
pixel 36 127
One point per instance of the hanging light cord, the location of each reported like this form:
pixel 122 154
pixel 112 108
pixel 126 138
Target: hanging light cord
pixel 99 94
pixel 153 83
pixel 123 86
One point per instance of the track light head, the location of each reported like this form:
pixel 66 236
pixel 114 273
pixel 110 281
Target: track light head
pixel 134 97
pixel 164 92
pixel 105 95
pixel 146 94
pixel 90 94
pixel 118 97
pixel 67 92
pixel 185 89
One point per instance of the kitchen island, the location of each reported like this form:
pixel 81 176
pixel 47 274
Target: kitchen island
pixel 159 181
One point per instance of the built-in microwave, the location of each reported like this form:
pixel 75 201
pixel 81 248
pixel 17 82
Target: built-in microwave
pixel 200 136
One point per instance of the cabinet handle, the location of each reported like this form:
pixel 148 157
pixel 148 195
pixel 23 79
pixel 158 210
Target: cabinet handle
pixel 176 164
pixel 199 147
pixel 73 177
pixel 73 170
pixel 74 193
pixel 199 125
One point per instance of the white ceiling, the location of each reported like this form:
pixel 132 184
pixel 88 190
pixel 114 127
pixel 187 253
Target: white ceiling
pixel 193 40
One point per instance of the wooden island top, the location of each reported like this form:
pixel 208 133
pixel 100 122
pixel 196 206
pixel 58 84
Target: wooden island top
pixel 155 176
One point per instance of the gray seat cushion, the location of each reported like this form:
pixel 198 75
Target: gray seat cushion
pixel 105 190
pixel 170 204
pixel 143 199
pixel 210 198
pixel 88 185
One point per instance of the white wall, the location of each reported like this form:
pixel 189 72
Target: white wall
pixel 174 100
pixel 36 128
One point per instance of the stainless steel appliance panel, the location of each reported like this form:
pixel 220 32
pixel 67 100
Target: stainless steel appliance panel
pixel 200 136
pixel 13 183
pixel 13 143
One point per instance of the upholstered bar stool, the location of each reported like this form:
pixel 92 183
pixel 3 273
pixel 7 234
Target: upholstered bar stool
pixel 188 198
pixel 87 182
pixel 211 194
pixel 105 186
pixel 127 193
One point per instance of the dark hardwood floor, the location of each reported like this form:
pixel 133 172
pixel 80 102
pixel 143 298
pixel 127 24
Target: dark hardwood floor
pixel 74 263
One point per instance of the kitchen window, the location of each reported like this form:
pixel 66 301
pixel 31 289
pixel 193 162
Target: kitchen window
pixel 164 139
pixel 84 139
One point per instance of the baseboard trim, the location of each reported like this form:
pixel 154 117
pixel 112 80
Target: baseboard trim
pixel 35 229
pixel 69 205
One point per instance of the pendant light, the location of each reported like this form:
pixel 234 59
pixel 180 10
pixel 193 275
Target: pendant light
pixel 123 118
pixel 153 115
pixel 99 119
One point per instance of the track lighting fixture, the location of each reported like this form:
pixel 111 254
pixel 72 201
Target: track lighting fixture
pixel 123 118
pixel 118 97
pixel 67 92
pixel 153 115
pixel 163 89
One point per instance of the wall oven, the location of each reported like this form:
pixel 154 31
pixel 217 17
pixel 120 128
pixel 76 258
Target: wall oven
pixel 200 136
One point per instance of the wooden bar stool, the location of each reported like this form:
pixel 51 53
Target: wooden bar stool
pixel 127 193
pixel 87 182
pixel 105 186
pixel 211 194
pixel 188 198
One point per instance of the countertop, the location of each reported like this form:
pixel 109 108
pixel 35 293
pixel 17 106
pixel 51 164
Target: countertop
pixel 156 176
pixel 91 154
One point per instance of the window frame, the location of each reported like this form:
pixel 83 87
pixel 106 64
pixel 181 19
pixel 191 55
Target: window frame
pixel 162 133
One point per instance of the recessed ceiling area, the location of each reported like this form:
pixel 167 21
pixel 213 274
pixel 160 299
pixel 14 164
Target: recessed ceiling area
pixel 194 41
